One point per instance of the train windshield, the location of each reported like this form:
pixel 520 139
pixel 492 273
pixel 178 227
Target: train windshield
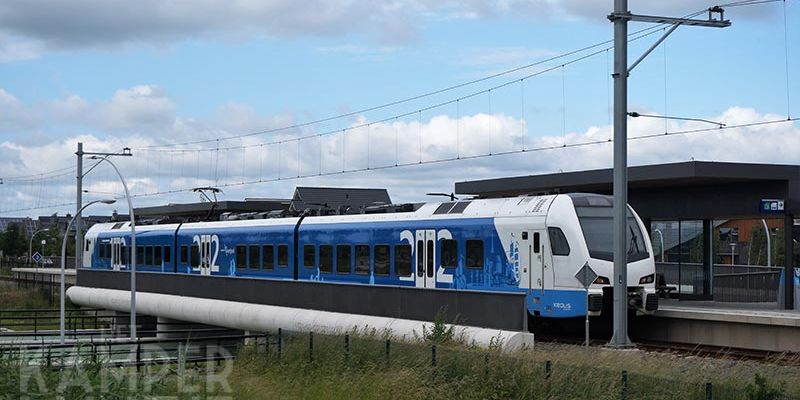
pixel 598 228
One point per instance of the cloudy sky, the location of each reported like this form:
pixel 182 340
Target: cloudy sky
pixel 151 74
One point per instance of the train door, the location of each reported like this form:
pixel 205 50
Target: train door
pixel 117 259
pixel 426 258
pixel 540 262
pixel 526 278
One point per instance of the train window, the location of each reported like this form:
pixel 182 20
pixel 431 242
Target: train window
pixel 194 256
pixel 459 207
pixel 148 255
pixel 268 252
pixel 382 259
pixel 402 259
pixel 283 255
pixel 87 243
pixel 157 255
pixel 101 251
pixel 558 242
pixel 184 254
pixel 140 255
pixel 255 257
pixel 444 208
pixel 420 258
pixel 362 259
pixel 536 242
pixel 125 259
pixel 475 253
pixel 241 257
pixel 344 258
pixel 309 256
pixel 325 258
pixel 596 222
pixel 449 256
pixel 167 254
pixel 429 260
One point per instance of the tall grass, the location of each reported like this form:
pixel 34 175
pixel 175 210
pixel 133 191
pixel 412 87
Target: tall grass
pixel 470 373
pixel 366 370
pixel 29 298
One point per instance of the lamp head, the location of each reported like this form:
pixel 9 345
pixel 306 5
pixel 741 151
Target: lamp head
pixel 108 201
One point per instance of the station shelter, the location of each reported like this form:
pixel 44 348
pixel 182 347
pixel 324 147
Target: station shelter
pixel 720 231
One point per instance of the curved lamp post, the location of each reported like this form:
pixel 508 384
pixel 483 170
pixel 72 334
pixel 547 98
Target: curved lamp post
pixel 30 243
pixel 769 244
pixel 133 244
pixel 661 240
pixel 63 262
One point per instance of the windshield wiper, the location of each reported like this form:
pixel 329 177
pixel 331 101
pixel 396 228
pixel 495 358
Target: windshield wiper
pixel 634 246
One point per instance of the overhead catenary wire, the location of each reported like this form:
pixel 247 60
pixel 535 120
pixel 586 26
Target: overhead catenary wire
pixel 408 99
pixel 451 159
pixel 786 61
pixel 445 89
pixel 409 113
pixel 34 178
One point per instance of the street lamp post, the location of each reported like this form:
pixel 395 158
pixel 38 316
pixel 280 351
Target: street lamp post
pixel 30 243
pixel 133 245
pixel 63 263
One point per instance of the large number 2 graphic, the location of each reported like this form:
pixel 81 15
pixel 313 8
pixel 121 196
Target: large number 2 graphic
pixel 209 251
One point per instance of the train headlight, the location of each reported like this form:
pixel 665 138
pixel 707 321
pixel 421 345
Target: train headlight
pixel 602 280
pixel 647 279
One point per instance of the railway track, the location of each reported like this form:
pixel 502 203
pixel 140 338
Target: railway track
pixel 690 350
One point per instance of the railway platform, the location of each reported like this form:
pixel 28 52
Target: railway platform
pixel 752 326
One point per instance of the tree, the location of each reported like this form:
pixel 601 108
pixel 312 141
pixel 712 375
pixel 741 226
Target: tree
pixel 13 242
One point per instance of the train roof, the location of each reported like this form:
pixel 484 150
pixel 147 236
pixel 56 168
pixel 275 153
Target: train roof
pixel 521 206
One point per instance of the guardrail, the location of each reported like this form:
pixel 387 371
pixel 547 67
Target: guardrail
pixel 127 353
pixel 44 323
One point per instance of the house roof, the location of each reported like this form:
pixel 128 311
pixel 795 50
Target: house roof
pixel 334 198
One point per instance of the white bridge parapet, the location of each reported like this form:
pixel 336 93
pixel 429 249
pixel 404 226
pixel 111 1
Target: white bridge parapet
pixel 262 318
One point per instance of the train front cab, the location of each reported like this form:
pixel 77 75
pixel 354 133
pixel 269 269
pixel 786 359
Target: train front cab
pixel 595 219
pixel 578 230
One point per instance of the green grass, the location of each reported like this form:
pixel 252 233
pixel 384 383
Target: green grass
pixel 460 372
pixel 468 373
pixel 30 298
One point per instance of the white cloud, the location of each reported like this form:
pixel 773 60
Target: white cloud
pixel 14 114
pixel 143 109
pixel 389 143
pixel 18 49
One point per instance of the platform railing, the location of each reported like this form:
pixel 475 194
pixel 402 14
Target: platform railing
pixel 731 282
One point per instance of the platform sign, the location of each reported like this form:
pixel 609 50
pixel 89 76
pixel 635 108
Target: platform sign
pixel 36 257
pixel 586 276
pixel 771 206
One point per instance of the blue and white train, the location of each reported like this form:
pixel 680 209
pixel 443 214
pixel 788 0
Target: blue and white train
pixel 530 244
